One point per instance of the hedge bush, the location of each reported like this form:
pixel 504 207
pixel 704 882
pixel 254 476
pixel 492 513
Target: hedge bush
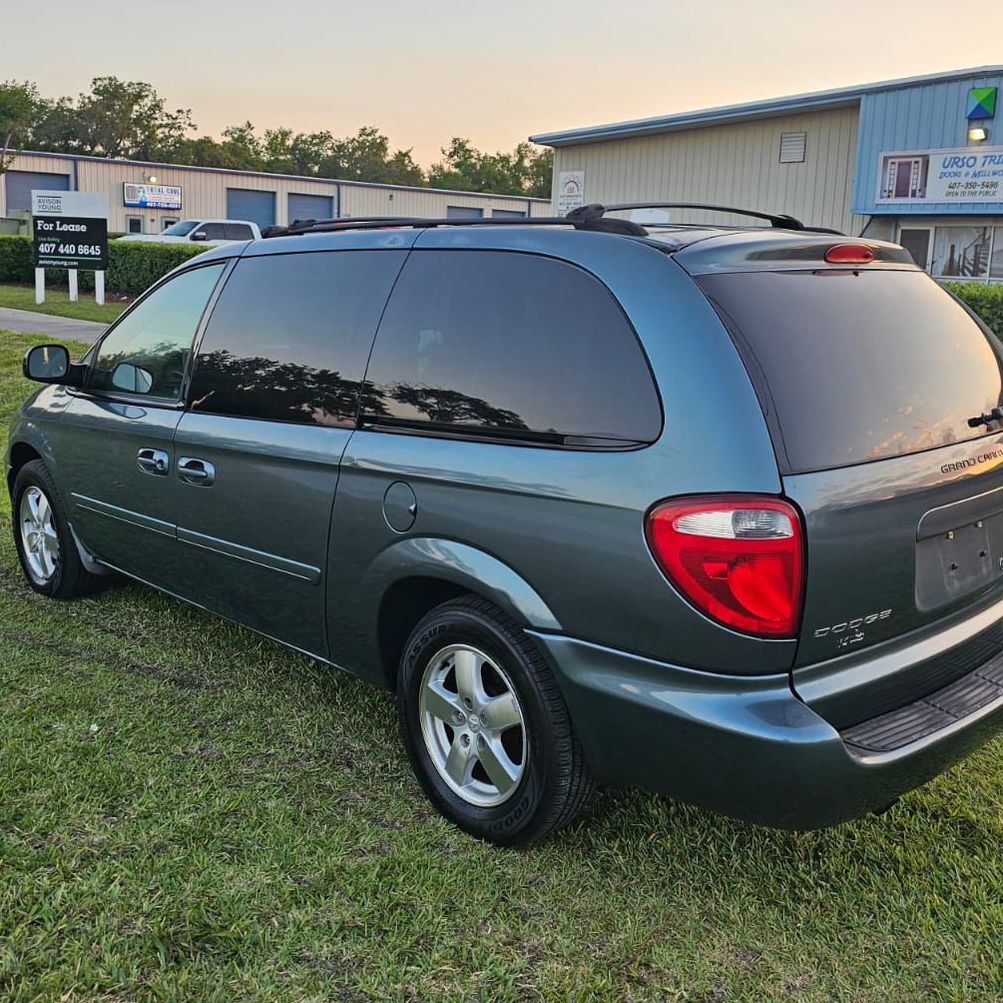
pixel 132 265
pixel 986 301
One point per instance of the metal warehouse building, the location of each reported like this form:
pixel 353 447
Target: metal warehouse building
pixel 908 160
pixel 146 197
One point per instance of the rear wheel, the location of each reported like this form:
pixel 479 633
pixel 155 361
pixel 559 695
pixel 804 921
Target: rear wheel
pixel 485 726
pixel 42 535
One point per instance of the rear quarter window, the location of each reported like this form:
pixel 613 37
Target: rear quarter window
pixel 510 345
pixel 854 366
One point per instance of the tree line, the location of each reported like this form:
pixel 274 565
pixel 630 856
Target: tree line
pixel 123 119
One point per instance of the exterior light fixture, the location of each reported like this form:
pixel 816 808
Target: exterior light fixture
pixel 977 134
pixel 152 179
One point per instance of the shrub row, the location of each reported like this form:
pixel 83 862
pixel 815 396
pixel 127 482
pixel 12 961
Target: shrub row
pixel 986 301
pixel 132 265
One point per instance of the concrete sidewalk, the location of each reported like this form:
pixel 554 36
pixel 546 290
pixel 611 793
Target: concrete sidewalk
pixel 57 328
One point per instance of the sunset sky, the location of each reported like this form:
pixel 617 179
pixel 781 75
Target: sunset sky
pixel 423 72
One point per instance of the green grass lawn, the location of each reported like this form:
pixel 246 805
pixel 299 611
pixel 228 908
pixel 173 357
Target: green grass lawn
pixel 189 812
pixel 57 302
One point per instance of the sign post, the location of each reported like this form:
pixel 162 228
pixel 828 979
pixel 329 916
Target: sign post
pixel 70 230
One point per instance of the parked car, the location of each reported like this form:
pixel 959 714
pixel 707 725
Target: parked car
pixel 206 231
pixel 716 511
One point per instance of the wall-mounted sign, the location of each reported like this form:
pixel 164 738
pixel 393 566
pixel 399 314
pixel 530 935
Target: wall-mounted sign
pixel 965 175
pixel 70 230
pixel 151 196
pixel 570 191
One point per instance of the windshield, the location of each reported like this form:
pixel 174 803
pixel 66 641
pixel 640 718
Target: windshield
pixel 181 229
pixel 854 366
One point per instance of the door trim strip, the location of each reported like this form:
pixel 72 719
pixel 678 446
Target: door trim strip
pixel 158 526
pixel 305 572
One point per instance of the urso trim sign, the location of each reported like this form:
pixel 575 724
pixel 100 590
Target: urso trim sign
pixel 965 175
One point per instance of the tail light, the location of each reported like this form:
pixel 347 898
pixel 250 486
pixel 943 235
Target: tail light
pixel 737 559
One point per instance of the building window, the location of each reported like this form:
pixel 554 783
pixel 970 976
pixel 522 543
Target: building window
pixel 792 147
pixel 133 224
pixel 962 252
pixel 165 223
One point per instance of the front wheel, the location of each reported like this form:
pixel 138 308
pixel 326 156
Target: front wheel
pixel 486 727
pixel 43 538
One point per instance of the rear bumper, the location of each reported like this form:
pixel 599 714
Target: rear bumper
pixel 742 745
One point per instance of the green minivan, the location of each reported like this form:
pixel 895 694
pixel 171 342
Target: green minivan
pixel 712 510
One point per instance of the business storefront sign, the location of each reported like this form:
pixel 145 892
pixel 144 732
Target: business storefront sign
pixel 570 191
pixel 151 196
pixel 963 176
pixel 70 230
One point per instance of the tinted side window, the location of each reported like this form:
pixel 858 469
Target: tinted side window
pixel 289 336
pixel 238 231
pixel 148 350
pixel 510 344
pixel 213 231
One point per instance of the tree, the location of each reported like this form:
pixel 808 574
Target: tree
pixel 117 118
pixel 366 156
pixel 19 107
pixel 525 171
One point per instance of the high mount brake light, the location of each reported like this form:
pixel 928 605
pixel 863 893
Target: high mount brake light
pixel 849 254
pixel 738 559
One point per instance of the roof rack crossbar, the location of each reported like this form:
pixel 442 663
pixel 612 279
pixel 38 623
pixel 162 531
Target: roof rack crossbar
pixel 777 220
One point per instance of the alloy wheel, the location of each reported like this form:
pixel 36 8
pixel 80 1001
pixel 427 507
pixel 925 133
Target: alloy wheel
pixel 39 540
pixel 473 725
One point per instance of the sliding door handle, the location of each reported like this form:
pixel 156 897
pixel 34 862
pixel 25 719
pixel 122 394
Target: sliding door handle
pixel 192 470
pixel 153 461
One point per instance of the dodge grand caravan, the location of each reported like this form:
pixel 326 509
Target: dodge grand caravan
pixel 712 510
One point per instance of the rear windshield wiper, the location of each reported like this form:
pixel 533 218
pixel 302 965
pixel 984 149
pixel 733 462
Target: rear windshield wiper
pixel 986 419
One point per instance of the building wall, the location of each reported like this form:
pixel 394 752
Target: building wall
pixel 926 116
pixel 734 164
pixel 204 191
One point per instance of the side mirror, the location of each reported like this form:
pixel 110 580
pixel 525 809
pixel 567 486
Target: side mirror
pixel 200 235
pixel 48 364
pixel 132 379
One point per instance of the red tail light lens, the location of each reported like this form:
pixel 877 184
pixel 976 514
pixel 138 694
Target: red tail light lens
pixel 737 559
pixel 849 254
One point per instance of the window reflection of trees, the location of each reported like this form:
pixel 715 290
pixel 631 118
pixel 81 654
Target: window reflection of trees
pixel 260 387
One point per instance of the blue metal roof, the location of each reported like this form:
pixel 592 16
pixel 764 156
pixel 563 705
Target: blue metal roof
pixel 836 98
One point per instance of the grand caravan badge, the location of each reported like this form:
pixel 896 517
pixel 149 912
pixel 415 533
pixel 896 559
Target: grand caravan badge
pixel 973 461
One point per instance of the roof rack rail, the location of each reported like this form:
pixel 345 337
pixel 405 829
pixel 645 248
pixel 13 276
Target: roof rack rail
pixel 586 217
pixel 420 223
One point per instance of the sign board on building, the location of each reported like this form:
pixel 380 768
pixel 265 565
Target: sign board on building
pixel 151 196
pixel 70 230
pixel 570 191
pixel 966 175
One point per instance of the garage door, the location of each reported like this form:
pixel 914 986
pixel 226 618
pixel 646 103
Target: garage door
pixel 310 207
pixel 20 184
pixel 463 212
pixel 258 207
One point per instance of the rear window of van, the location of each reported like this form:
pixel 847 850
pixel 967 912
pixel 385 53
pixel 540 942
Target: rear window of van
pixel 854 366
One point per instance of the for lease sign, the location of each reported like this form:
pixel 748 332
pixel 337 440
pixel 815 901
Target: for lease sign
pixel 965 175
pixel 70 229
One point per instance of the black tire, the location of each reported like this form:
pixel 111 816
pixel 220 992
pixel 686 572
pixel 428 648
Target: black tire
pixel 555 780
pixel 70 579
